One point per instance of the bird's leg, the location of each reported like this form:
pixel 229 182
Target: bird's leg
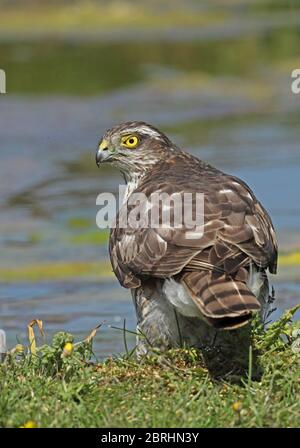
pixel 214 338
pixel 157 324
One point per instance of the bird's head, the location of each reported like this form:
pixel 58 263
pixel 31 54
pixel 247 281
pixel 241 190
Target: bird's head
pixel 132 147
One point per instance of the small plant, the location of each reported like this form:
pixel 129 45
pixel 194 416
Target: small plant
pixel 62 357
pixel 60 384
pixel 279 334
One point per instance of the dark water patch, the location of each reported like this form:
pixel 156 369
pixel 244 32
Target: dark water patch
pixel 84 69
pixel 75 307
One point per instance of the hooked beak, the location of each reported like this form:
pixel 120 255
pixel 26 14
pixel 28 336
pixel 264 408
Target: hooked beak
pixel 103 153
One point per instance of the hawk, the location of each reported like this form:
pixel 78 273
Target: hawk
pixel 217 277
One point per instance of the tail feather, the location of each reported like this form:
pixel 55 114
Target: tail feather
pixel 224 301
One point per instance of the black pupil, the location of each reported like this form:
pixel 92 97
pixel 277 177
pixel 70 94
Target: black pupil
pixel 131 140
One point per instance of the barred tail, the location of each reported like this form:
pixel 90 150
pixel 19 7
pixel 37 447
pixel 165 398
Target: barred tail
pixel 224 301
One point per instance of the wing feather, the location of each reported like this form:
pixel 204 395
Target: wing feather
pixel 237 229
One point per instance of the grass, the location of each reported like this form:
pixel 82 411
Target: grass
pixel 58 386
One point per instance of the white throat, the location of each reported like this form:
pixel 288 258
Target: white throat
pixel 130 187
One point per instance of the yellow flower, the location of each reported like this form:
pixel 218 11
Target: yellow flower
pixel 19 348
pixel 29 424
pixel 68 349
pixel 237 406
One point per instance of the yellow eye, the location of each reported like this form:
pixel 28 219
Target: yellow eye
pixel 130 141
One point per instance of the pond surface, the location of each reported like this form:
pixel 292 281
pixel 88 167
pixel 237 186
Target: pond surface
pixel 227 100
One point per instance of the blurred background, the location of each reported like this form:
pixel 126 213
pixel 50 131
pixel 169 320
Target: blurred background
pixel 215 75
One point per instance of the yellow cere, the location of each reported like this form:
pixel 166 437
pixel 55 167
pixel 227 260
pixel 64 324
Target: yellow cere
pixel 103 144
pixel 130 141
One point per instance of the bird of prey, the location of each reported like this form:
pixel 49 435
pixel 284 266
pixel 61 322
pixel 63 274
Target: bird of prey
pixel 219 277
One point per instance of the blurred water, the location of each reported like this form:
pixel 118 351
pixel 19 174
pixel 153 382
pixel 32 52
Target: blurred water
pixel 237 114
pixel 75 307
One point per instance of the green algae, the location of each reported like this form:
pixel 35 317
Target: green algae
pixel 92 237
pixel 55 271
pixel 90 269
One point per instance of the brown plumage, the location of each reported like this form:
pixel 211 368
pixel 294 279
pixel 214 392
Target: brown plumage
pixel 222 274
